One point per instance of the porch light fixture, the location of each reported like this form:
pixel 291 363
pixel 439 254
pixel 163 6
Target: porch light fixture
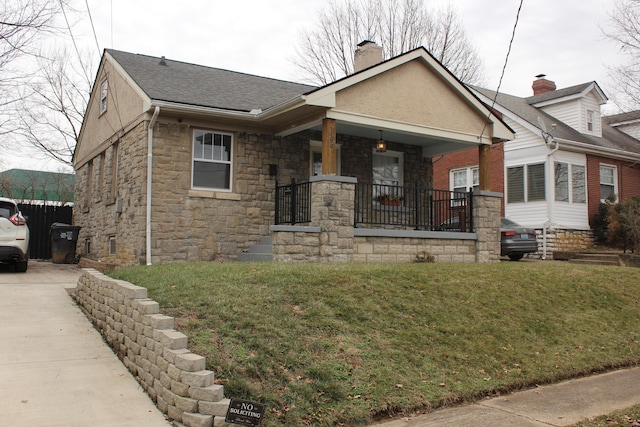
pixel 381 145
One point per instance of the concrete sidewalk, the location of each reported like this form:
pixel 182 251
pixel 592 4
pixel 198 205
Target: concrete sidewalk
pixel 561 404
pixel 55 369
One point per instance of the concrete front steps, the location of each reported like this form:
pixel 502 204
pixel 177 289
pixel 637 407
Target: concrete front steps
pixel 591 258
pixel 262 252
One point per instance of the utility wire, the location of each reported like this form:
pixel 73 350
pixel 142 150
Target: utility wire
pixel 504 67
pixel 73 39
pixel 93 28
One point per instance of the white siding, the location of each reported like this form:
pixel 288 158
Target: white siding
pixel 524 137
pixel 567 112
pixel 590 103
pixel 564 214
pixel 632 129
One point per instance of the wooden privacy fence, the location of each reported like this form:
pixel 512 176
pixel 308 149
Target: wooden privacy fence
pixel 39 219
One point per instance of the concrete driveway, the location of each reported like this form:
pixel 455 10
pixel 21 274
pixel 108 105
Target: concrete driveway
pixel 55 369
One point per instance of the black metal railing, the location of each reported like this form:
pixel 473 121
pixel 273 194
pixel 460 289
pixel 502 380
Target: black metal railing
pixel 413 207
pixel 293 203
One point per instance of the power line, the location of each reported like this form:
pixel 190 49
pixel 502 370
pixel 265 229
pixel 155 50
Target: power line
pixel 73 39
pixel 504 67
pixel 93 28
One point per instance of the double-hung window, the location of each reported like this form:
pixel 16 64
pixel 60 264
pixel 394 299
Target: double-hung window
pixel 212 160
pixel 388 174
pixel 104 91
pixel 570 183
pixel 525 183
pixel 463 180
pixel 608 182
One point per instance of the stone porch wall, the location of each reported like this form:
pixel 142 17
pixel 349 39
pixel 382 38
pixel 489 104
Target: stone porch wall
pixel 156 354
pixel 331 237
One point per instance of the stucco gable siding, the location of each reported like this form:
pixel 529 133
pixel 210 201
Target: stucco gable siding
pixel 124 107
pixel 411 93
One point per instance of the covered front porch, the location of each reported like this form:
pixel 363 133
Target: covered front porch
pixel 370 194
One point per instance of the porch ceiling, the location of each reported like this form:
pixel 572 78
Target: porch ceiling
pixel 432 145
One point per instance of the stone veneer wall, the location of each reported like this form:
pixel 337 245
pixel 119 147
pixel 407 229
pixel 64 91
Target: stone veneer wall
pixel 564 240
pixel 331 236
pixel 156 354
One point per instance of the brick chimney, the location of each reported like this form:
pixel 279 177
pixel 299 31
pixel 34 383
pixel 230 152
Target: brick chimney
pixel 367 54
pixel 542 85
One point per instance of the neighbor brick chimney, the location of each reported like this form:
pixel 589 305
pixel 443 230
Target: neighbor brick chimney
pixel 542 85
pixel 367 54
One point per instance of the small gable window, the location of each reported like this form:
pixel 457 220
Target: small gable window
pixel 104 90
pixel 212 165
pixel 590 120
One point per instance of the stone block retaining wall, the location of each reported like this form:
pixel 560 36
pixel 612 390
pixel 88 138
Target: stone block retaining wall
pixel 155 353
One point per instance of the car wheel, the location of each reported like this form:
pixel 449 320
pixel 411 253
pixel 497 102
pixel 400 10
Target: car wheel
pixel 21 266
pixel 515 257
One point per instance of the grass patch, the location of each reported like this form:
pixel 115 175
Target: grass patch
pixel 331 344
pixel 629 417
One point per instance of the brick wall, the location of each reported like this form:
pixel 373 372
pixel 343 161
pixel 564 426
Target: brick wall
pixel 628 181
pixel 468 158
pixel 156 354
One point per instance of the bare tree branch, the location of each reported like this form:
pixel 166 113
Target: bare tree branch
pixel 325 52
pixel 624 30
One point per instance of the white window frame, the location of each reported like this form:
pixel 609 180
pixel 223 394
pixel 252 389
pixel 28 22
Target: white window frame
pixel 195 159
pixel 591 121
pixel 571 181
pixel 472 177
pixel 525 182
pixel 614 184
pixel 104 92
pixel 315 147
pixel 399 180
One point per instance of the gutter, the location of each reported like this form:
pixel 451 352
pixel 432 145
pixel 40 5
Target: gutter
pixel 152 123
pixel 550 200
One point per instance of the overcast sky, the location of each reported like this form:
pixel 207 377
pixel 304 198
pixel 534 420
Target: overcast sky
pixel 559 38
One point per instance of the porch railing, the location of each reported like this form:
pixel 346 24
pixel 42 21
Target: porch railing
pixel 413 207
pixel 293 203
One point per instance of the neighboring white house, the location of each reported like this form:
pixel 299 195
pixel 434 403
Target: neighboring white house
pixel 564 160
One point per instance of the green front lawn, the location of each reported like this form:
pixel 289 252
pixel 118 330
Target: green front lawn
pixel 324 344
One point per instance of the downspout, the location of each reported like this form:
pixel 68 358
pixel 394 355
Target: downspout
pixel 152 123
pixel 550 202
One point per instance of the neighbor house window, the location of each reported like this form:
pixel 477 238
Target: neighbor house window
pixel 315 160
pixel 388 171
pixel 212 156
pixel 464 179
pixel 104 90
pixel 608 182
pixel 590 118
pixel 570 183
pixel 525 183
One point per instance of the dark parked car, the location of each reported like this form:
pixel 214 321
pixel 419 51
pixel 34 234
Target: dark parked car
pixel 516 240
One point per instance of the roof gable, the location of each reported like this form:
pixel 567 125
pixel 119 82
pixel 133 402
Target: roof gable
pixel 567 94
pixel 380 85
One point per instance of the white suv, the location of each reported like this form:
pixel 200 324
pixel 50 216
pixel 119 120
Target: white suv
pixel 14 236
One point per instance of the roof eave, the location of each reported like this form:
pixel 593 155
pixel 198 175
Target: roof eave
pixel 609 152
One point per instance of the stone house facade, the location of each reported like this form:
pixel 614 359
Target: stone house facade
pixel 169 171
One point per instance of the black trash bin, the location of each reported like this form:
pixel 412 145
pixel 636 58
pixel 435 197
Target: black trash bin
pixel 64 238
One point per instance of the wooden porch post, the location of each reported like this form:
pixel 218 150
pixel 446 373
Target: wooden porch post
pixel 484 168
pixel 329 147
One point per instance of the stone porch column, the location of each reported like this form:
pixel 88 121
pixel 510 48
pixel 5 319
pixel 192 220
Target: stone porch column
pixel 486 221
pixel 333 207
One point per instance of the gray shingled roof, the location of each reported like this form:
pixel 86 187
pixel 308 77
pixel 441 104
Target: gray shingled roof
pixel 622 117
pixel 559 93
pixel 611 137
pixel 198 85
